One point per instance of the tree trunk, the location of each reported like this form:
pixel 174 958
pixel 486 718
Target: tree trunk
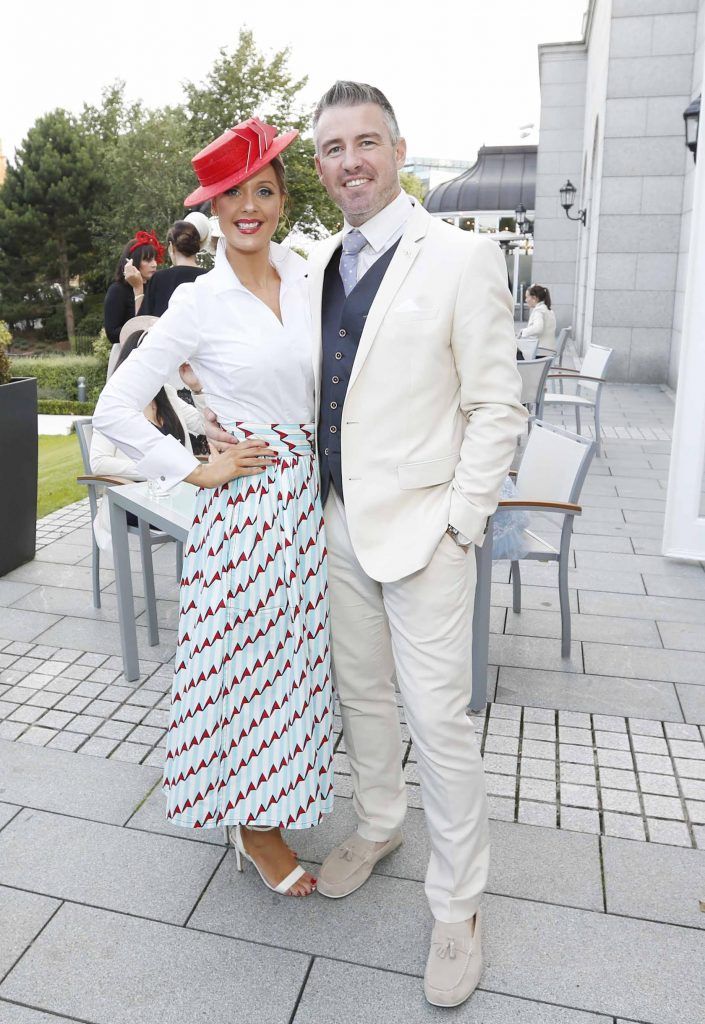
pixel 66 291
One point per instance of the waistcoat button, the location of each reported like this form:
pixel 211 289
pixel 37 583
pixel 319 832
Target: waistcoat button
pixel 338 355
pixel 334 405
pixel 342 332
pixel 325 451
pixel 334 430
pixel 335 380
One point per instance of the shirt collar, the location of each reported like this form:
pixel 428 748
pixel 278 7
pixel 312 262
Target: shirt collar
pixel 289 265
pixel 386 224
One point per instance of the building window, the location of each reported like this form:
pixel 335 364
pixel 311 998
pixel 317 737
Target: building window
pixel 467 223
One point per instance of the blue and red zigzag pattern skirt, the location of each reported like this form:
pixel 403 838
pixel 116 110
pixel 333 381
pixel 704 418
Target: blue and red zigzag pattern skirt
pixel 251 732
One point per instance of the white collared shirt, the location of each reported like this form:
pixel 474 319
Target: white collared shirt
pixel 382 231
pixel 253 368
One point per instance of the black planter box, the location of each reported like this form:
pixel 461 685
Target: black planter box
pixel 18 472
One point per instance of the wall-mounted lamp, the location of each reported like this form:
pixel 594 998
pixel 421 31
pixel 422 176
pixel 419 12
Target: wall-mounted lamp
pixel 568 199
pixel 521 220
pixel 691 116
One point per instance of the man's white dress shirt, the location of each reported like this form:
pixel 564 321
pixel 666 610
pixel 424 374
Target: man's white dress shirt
pixel 253 368
pixel 381 231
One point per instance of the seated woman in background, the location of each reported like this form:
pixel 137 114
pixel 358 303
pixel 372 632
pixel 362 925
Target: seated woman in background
pixel 166 411
pixel 542 319
pixel 183 243
pixel 123 300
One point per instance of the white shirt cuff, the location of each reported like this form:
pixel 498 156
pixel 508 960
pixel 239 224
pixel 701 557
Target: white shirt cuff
pixel 168 461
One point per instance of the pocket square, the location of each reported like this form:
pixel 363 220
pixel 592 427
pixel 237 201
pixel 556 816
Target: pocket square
pixel 408 306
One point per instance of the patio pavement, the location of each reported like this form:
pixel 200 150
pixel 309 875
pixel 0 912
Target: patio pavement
pixel 595 769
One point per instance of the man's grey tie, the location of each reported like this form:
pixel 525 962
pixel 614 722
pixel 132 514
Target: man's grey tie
pixel 353 242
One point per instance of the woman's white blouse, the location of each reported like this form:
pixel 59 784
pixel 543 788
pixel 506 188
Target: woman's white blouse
pixel 541 325
pixel 253 368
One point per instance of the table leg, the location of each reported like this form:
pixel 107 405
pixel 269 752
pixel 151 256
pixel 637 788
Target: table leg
pixel 150 597
pixel 123 586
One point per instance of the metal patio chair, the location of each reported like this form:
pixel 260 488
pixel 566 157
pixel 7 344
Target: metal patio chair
pixel 533 374
pixel 148 538
pixel 588 382
pixel 549 480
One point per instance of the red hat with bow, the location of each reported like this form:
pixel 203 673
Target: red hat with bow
pixel 235 155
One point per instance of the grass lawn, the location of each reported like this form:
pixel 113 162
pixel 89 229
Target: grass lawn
pixel 59 464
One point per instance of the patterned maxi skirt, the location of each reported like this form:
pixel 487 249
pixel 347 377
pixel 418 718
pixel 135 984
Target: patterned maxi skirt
pixel 251 731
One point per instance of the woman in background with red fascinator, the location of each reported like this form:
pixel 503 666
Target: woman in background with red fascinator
pixel 249 745
pixel 123 300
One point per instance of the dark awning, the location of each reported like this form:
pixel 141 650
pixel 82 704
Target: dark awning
pixel 503 177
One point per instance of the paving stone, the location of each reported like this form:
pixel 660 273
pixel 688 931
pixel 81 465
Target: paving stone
pixel 536 768
pixel 337 992
pixel 500 763
pixel 12 1013
pixel 133 872
pixel 533 652
pixel 511 711
pixel 537 789
pixel 663 807
pixel 585 627
pixel 645 663
pixel 55 780
pixel 132 752
pixel 696 811
pixel 540 715
pixel 615 959
pixel 508 727
pixel 104 636
pixel 500 785
pixel 501 808
pixel 580 819
pixel 96 746
pixel 614 758
pixel 66 741
pixel 689 769
pixel 681 731
pixel 572 753
pixel 645 727
pixel 581 774
pixel 539 749
pixel 25 713
pixel 11 730
pixel 628 826
pixel 127 954
pixel 649 745
pixel 591 693
pixel 620 800
pixel 499 745
pixel 151 817
pixel 567 734
pixel 685 748
pixel 22 917
pixel 350 930
pixel 674 833
pixel 578 796
pixel 684 636
pixel 36 736
pixel 634 882
pixel 533 813
pixel 692 699
pixel 7 813
pixel 633 606
pixel 693 789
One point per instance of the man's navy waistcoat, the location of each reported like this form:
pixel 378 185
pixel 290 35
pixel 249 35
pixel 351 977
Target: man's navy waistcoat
pixel 342 322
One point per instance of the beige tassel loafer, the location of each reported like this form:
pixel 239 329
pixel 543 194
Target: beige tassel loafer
pixel 349 865
pixel 454 963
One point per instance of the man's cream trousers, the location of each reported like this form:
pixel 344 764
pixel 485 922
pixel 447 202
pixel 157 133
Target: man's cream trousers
pixel 418 628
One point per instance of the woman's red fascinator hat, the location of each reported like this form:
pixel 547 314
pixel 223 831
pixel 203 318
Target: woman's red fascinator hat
pixel 148 238
pixel 235 155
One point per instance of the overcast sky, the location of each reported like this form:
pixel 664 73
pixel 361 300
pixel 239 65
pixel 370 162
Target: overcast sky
pixel 460 73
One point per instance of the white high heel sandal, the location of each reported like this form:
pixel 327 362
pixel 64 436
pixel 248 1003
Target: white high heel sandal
pixel 235 840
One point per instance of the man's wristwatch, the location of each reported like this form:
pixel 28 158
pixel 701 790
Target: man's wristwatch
pixel 453 532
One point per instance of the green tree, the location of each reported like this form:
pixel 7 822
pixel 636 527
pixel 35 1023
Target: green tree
pixel 46 202
pixel 246 82
pixel 412 184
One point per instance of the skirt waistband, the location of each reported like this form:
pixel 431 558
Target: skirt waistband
pixel 291 438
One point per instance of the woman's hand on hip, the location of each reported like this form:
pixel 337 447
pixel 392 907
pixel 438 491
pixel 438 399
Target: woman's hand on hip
pixel 244 458
pixel 219 440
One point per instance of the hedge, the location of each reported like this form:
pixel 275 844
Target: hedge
pixel 59 407
pixel 57 376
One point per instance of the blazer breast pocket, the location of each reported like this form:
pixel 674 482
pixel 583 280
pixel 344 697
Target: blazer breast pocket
pixel 411 316
pixel 413 475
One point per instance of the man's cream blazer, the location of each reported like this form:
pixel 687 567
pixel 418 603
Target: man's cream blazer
pixel 432 411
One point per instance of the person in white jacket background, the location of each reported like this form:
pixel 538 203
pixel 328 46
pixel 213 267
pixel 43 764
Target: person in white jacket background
pixel 542 319
pixel 166 411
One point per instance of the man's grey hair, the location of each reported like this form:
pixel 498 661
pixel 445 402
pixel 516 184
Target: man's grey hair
pixel 352 94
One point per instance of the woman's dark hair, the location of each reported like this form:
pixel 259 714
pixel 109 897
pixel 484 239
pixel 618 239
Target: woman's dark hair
pixel 141 252
pixel 184 237
pixel 166 414
pixel 539 292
